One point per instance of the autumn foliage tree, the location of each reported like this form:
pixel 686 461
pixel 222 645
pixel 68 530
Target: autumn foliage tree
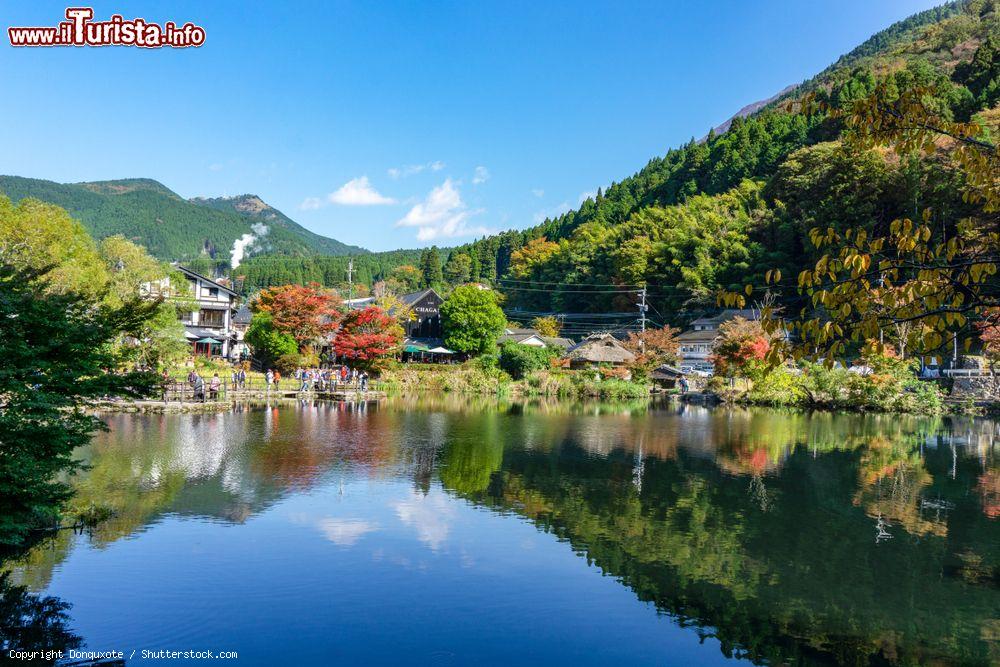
pixel 652 348
pixel 368 337
pixel 741 348
pixel 929 275
pixel 547 325
pixel 307 313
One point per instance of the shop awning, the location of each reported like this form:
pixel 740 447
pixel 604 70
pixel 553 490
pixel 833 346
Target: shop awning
pixel 412 349
pixel 210 341
pixel 440 350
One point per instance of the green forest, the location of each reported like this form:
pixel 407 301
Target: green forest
pixel 169 226
pixel 720 213
pixel 707 216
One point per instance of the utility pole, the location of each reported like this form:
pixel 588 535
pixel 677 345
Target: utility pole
pixel 350 283
pixel 642 308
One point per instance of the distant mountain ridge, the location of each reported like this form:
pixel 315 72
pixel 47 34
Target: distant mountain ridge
pixel 171 227
pixel 750 110
pixel 256 209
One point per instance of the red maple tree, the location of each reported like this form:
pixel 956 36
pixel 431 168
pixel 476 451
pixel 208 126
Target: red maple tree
pixel 368 336
pixel 741 345
pixel 307 313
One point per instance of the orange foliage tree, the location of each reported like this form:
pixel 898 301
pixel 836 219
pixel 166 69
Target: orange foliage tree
pixel 307 313
pixel 652 348
pixel 368 337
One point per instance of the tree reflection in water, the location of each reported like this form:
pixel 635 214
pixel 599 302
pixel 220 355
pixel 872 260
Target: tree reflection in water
pixel 33 622
pixel 791 537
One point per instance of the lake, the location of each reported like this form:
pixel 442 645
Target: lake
pixel 452 531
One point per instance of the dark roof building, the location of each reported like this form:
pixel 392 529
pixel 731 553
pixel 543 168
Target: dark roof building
pixel 426 307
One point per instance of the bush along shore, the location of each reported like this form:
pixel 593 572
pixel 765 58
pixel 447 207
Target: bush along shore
pixel 484 376
pixel 882 384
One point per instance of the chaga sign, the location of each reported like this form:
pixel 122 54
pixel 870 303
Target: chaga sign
pixel 79 29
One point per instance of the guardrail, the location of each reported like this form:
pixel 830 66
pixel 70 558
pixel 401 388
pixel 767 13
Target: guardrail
pixel 967 372
pixel 179 391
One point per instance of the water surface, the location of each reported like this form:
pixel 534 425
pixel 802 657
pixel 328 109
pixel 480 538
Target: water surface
pixel 455 532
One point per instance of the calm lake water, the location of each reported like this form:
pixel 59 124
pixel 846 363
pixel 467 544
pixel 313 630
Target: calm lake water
pixel 454 532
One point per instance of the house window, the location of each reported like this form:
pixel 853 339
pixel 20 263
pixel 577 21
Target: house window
pixel 210 291
pixel 212 318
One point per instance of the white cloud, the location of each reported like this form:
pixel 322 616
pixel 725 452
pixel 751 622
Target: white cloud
pixel 550 212
pixel 584 196
pixel 215 166
pixel 411 169
pixel 430 515
pixel 311 203
pixel 442 214
pixel 538 192
pixel 345 532
pixel 358 192
pixel 481 175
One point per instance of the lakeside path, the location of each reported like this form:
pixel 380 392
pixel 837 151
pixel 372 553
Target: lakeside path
pixel 233 400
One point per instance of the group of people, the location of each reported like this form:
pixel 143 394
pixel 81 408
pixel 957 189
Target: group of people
pixel 198 386
pixel 322 379
pixel 239 378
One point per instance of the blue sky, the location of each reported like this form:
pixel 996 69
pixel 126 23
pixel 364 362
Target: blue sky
pixel 402 124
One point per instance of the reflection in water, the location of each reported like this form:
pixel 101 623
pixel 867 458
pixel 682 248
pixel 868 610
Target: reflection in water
pixel 786 537
pixel 33 623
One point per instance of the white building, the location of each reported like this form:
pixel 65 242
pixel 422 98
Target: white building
pixel 209 329
pixel 696 343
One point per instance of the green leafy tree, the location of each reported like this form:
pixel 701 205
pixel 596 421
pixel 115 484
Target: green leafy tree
pixel 547 326
pixel 58 354
pixel 405 278
pixel 37 235
pixel 472 319
pixel 267 343
pixel 130 268
pixel 520 360
pixel 458 269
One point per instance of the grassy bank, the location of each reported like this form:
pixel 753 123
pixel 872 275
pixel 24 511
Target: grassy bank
pixel 890 386
pixel 476 377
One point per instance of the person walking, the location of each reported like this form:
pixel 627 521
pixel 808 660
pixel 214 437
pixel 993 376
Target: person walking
pixel 241 378
pixel 684 385
pixel 213 387
pixel 268 379
pixel 199 388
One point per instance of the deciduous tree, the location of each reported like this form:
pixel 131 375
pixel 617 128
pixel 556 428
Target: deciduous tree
pixel 652 348
pixel 307 313
pixel 368 337
pixel 58 354
pixel 472 319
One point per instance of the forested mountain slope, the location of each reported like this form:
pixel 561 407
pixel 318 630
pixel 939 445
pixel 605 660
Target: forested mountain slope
pixel 720 212
pixel 254 209
pixel 170 226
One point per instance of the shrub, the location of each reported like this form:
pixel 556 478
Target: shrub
pixel 520 360
pixel 779 386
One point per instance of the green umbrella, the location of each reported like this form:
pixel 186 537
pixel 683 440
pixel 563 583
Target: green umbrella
pixel 210 341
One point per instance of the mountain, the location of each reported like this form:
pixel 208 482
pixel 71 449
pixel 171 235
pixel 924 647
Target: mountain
pixel 707 215
pixel 719 214
pixel 172 227
pixel 750 110
pixel 255 210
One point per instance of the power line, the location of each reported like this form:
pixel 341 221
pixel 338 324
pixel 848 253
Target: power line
pixel 543 282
